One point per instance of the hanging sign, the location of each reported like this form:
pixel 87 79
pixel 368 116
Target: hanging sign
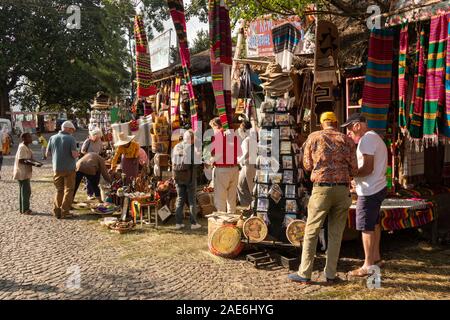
pixel 160 51
pixel 259 36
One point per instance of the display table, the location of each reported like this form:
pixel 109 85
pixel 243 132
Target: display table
pixel 398 214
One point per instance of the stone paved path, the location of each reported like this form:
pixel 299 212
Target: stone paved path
pixel 40 257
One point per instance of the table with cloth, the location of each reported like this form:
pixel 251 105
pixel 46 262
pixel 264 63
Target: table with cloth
pixel 409 209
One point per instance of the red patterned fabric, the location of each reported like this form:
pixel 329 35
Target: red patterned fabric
pixel 143 67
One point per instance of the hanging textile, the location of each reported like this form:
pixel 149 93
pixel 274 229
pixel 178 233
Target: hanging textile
pixel 417 100
pixel 221 58
pixel 286 38
pixel 402 83
pixel 377 85
pixel 175 103
pixel 143 70
pixel 176 8
pixel 446 114
pixel 434 87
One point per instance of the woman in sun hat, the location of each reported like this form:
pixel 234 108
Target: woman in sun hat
pixel 128 149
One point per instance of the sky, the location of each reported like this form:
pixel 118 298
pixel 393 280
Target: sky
pixel 192 26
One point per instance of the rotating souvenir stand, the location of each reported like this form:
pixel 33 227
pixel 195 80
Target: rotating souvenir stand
pixel 276 196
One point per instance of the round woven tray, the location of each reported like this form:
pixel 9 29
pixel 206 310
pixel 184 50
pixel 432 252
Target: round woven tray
pixel 295 232
pixel 122 227
pixel 255 229
pixel 225 241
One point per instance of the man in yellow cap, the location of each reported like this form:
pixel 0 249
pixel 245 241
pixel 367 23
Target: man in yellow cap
pixel 330 156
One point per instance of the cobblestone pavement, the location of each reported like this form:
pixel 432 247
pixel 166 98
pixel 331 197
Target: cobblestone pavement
pixel 40 256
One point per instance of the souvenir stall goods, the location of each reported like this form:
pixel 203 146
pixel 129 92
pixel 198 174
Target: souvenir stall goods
pixel 221 58
pixel 224 236
pixel 377 86
pixel 276 82
pixel 143 69
pixel 176 8
pixel 100 117
pixel 435 76
pixel 276 189
pixel 418 94
pixel 286 37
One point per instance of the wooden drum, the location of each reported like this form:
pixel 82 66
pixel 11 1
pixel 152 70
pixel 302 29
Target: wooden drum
pixel 295 232
pixel 224 238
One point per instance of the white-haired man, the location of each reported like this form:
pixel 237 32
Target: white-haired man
pixel 63 149
pixel 184 173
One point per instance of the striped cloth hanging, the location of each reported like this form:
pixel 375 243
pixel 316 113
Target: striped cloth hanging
pixel 377 85
pixel 176 8
pixel 434 87
pixel 175 103
pixel 143 67
pixel 446 115
pixel 402 83
pixel 221 58
pixel 417 100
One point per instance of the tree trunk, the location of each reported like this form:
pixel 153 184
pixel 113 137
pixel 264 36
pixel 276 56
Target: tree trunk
pixel 4 102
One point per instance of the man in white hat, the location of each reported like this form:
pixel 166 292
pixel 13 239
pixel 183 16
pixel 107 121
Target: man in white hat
pixel 63 149
pixel 128 151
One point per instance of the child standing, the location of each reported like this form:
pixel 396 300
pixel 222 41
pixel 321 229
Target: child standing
pixel 43 142
pixel 23 172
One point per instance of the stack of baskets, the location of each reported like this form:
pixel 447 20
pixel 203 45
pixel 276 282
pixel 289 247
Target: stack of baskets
pixel 160 135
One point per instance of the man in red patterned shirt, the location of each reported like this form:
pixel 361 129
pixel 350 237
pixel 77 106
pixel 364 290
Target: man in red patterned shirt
pixel 330 156
pixel 225 152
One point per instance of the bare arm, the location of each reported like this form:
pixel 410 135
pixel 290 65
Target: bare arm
pixel 367 167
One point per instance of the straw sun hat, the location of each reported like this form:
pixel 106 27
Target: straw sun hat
pixel 123 139
pixel 276 82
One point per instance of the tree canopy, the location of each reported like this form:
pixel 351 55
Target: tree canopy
pixel 47 65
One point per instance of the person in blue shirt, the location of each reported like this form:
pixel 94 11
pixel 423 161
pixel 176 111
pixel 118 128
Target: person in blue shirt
pixel 62 147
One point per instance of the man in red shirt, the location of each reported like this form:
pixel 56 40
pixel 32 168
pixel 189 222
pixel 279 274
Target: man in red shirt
pixel 225 152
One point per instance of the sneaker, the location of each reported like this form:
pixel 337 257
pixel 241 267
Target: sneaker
pixel 296 278
pixel 179 226
pixel 196 226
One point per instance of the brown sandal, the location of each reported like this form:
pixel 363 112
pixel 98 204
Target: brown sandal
pixel 360 272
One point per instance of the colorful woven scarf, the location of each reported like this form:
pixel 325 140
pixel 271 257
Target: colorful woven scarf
pixel 175 103
pixel 434 87
pixel 286 38
pixel 143 67
pixel 377 85
pixel 417 99
pixel 402 83
pixel 221 58
pixel 176 8
pixel 446 115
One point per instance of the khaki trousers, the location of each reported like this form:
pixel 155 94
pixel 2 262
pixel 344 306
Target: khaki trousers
pixel 65 186
pixel 225 188
pixel 333 202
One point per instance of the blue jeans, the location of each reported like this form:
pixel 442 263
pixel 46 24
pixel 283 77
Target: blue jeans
pixel 186 192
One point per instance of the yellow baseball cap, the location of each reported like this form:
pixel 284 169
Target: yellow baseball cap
pixel 328 116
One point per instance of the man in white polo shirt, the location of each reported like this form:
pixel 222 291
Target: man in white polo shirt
pixel 370 187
